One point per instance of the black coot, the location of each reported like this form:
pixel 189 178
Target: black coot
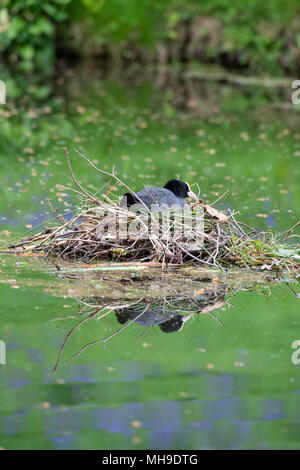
pixel 172 194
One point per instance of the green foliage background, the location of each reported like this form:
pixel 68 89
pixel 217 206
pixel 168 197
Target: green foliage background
pixel 264 36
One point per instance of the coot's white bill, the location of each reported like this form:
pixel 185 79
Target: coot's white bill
pixel 192 195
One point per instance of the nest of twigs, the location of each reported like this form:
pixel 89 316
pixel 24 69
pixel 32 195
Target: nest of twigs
pixel 219 241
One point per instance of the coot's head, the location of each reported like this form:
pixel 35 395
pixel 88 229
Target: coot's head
pixel 180 189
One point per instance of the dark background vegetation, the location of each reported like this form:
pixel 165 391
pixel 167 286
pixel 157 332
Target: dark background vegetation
pixel 260 37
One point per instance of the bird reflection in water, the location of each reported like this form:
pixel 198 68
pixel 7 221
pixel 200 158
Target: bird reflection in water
pixel 168 322
pixel 169 314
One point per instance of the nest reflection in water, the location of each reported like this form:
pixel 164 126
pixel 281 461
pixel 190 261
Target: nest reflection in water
pixel 169 314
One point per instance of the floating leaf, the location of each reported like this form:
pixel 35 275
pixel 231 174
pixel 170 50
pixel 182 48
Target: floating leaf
pixel 288 253
pixel 215 213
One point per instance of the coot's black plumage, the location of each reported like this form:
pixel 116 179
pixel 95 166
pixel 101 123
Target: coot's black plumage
pixel 172 194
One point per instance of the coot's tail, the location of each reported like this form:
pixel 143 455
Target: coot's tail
pixel 128 200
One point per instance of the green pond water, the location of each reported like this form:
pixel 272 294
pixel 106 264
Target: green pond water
pixel 225 379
